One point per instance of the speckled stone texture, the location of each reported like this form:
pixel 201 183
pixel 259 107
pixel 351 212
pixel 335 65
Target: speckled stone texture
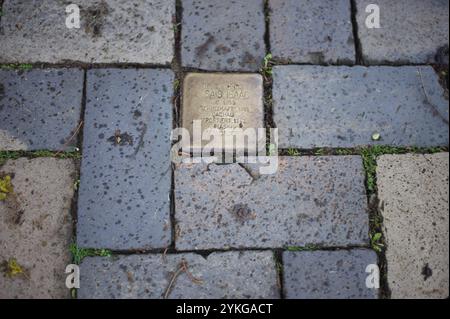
pixel 312 31
pixel 39 109
pixel 36 227
pixel 412 31
pixel 113 31
pixel 223 35
pixel 328 274
pixel 310 200
pixel 126 169
pixel 239 275
pixel 413 193
pixel 316 106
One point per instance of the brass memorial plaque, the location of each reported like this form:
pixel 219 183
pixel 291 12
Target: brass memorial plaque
pixel 230 103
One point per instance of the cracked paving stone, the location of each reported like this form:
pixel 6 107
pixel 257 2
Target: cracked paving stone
pixel 111 31
pixel 235 275
pixel 328 274
pixel 36 227
pixel 312 31
pixel 310 200
pixel 316 106
pixel 411 31
pixel 39 109
pixel 223 35
pixel 126 168
pixel 413 193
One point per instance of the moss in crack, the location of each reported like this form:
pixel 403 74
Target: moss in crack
pixel 12 155
pixel 78 254
pixel 309 247
pixel 17 66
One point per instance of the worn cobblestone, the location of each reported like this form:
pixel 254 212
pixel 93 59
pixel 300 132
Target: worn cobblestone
pixel 235 275
pixel 36 228
pixel 112 31
pixel 126 170
pixel 317 106
pixel 413 193
pixel 310 200
pixel 312 31
pixel 39 109
pixel 411 31
pixel 222 35
pixel 328 274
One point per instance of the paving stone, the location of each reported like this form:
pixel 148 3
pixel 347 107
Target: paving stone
pixel 411 31
pixel 317 106
pixel 310 200
pixel 39 109
pixel 223 35
pixel 312 31
pixel 126 169
pixel 226 275
pixel 36 227
pixel 413 193
pixel 328 274
pixel 112 31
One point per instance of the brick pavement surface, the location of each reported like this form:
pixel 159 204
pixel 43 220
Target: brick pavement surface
pixel 112 90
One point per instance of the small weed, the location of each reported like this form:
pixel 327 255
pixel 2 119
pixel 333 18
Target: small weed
pixel 293 152
pixel 14 66
pixel 376 242
pixel 308 247
pixel 376 221
pixel 272 149
pixel 371 153
pixel 266 69
pixel 344 151
pixel 279 267
pixel 176 27
pixel 78 254
pixel 176 84
pixel 320 152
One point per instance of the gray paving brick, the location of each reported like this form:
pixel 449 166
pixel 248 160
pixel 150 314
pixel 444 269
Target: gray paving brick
pixel 112 31
pixel 310 200
pixel 312 31
pixel 36 227
pixel 328 274
pixel 411 31
pixel 39 109
pixel 413 193
pixel 126 169
pixel 317 106
pixel 223 275
pixel 223 35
